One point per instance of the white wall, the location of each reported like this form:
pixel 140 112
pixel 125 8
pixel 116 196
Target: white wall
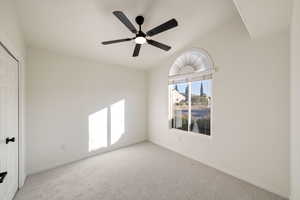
pixel 62 92
pixel 250 118
pixel 295 99
pixel 11 37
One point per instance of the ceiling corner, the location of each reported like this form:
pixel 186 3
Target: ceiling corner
pixel 239 9
pixel 264 17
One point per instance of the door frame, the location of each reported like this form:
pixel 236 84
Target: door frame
pixel 18 65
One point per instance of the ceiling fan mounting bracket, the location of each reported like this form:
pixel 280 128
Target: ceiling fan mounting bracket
pixel 139 20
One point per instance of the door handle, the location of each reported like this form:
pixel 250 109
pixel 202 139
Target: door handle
pixel 8 140
pixel 2 176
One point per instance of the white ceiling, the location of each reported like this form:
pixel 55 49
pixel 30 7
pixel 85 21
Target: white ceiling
pixel 77 27
pixel 262 17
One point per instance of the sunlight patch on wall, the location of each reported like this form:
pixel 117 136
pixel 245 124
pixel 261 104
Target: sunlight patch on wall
pixel 98 130
pixel 117 120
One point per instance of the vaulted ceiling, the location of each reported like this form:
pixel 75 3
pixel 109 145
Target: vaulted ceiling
pixel 263 17
pixel 77 27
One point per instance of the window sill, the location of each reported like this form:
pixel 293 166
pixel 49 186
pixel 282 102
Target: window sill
pixel 179 131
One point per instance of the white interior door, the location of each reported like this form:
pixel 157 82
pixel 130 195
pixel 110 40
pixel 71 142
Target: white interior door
pixel 8 125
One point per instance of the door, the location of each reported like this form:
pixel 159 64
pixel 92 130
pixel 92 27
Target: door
pixel 9 112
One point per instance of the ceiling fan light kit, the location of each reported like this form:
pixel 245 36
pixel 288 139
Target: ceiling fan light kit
pixel 141 37
pixel 140 40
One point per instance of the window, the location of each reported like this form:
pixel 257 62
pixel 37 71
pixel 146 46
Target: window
pixel 191 106
pixel 190 93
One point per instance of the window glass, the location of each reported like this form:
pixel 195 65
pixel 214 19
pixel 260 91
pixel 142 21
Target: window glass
pixel 179 95
pixel 201 106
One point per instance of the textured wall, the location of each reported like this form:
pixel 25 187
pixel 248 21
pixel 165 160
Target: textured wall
pixel 250 113
pixel 295 99
pixel 63 92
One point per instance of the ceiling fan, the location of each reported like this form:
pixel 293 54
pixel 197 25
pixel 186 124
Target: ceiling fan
pixel 141 37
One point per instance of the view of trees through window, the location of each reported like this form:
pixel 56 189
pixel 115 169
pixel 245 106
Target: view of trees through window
pixel 191 106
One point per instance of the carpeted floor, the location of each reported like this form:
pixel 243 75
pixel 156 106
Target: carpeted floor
pixel 140 172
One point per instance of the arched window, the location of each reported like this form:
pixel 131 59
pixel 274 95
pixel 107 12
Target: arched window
pixel 190 92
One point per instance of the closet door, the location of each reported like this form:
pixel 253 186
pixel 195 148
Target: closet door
pixel 8 125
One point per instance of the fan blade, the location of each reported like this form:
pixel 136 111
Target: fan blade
pixel 163 27
pixel 159 45
pixel 122 17
pixel 136 50
pixel 116 41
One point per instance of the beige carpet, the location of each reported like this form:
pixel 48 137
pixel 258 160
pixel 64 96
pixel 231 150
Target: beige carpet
pixel 140 172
